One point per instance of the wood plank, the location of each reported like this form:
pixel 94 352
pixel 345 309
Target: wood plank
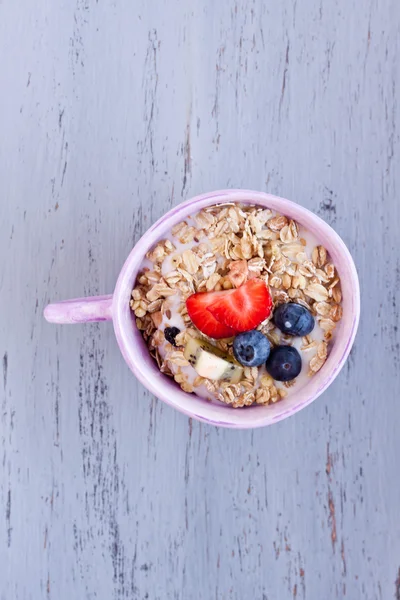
pixel 111 113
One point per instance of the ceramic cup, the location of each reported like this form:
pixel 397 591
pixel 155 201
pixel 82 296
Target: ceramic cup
pixel 116 308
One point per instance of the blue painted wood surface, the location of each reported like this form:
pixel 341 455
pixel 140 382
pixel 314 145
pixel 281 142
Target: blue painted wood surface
pixel 112 112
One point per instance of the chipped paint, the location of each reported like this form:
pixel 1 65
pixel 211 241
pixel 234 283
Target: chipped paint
pixel 397 586
pixel 113 113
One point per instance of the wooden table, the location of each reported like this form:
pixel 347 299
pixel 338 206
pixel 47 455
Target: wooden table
pixel 113 111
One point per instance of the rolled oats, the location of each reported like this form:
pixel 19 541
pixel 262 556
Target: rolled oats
pixel 299 282
pixel 294 251
pixel 230 244
pixel 278 266
pixel 337 294
pixel 317 292
pixel 304 303
pixel 327 324
pixel 322 351
pixel 190 261
pixel 333 283
pixel 212 281
pixel 277 223
pixel 274 394
pixel 322 276
pixel 238 272
pixel 187 387
pixel 319 256
pixel 330 270
pixel 336 312
pixel 256 265
pixel 205 220
pixel 154 306
pixel 150 277
pixel 137 294
pixel 323 308
pixel 280 296
pixel 307 268
pixel 266 381
pixel 179 228
pixel 157 254
pixel 275 281
pixel 274 337
pixel 317 362
pixel 295 294
pixel 289 233
pixel 262 396
pixel 308 343
pixel 286 281
pixel 157 318
pixel 177 358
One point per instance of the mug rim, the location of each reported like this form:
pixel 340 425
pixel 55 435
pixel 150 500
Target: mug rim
pixel 143 366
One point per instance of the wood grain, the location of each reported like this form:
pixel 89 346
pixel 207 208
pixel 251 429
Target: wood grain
pixel 111 113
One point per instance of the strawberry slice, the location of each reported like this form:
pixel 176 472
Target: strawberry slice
pixel 242 309
pixel 197 305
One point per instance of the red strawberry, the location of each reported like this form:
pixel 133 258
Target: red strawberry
pixel 197 305
pixel 243 309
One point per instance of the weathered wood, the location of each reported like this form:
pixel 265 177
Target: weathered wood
pixel 111 113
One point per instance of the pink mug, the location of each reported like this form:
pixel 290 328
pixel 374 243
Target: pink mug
pixel 115 307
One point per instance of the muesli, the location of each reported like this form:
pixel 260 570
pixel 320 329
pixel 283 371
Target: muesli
pixel 238 304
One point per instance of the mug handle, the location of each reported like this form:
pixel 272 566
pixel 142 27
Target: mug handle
pixel 80 310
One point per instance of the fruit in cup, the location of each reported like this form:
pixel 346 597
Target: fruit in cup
pixel 244 308
pixel 212 363
pixel 284 363
pixel 196 306
pixel 294 319
pixel 223 314
pixel 251 348
pixel 170 334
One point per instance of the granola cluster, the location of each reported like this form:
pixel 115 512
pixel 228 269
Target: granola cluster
pixel 220 248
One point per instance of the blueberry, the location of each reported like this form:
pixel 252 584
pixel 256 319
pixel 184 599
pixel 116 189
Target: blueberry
pixel 294 319
pixel 170 334
pixel 284 363
pixel 251 348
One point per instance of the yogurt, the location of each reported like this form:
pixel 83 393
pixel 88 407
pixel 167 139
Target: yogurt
pixel 199 252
